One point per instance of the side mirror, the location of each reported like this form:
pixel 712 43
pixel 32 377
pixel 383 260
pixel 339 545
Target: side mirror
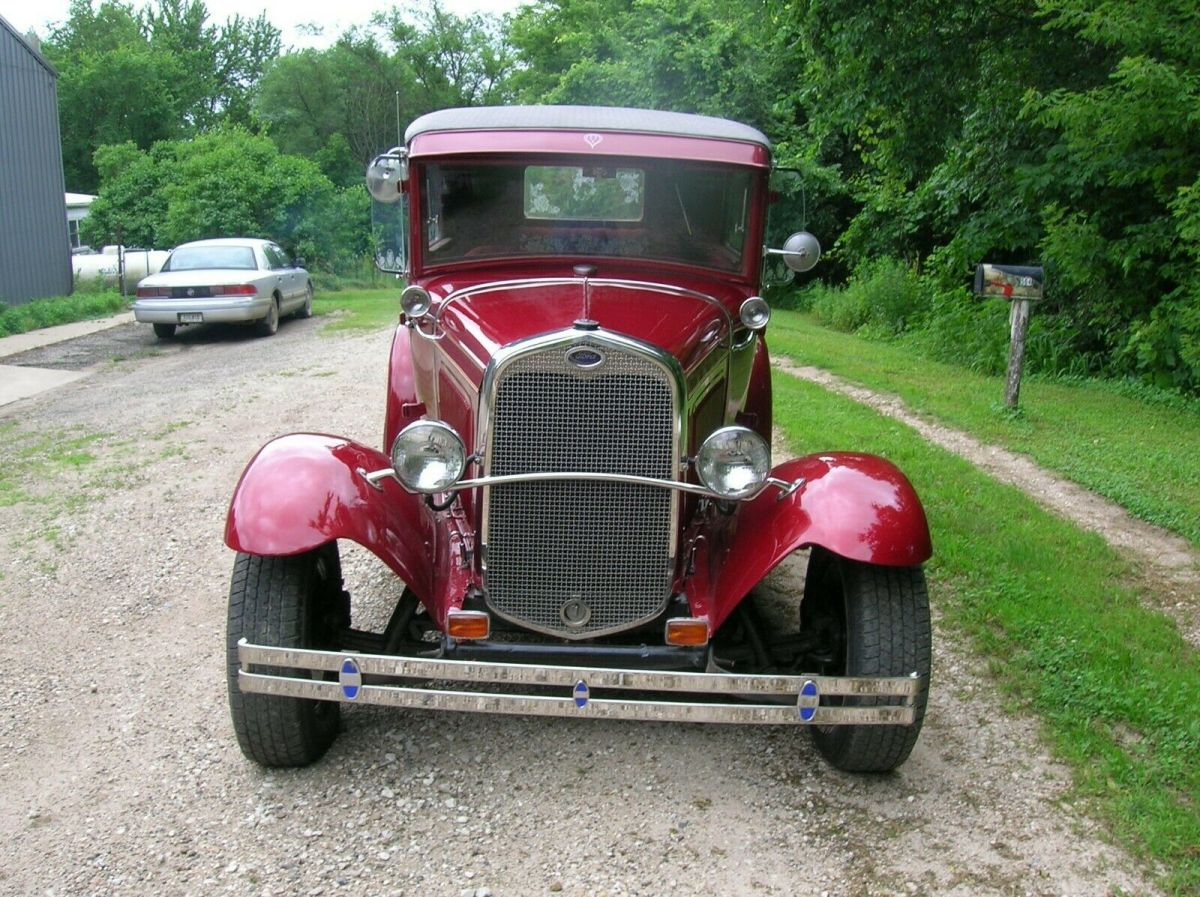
pixel 386 175
pixel 387 178
pixel 800 252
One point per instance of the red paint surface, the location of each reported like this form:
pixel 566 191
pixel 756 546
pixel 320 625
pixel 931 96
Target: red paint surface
pixel 858 506
pixel 301 491
pixel 483 319
pixel 402 388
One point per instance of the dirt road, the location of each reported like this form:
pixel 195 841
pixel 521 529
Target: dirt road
pixel 120 774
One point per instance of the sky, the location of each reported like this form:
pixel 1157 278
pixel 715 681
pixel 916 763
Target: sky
pixel 333 17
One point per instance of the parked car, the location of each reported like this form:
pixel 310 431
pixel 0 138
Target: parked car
pixel 227 280
pixel 575 487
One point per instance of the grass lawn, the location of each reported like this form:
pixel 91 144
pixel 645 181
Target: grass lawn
pixel 1143 455
pixel 359 309
pixel 1052 608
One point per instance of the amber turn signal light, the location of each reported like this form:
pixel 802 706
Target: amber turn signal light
pixel 468 624
pixel 687 631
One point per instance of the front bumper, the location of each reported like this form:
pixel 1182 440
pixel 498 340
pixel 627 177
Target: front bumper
pixel 673 696
pixel 216 310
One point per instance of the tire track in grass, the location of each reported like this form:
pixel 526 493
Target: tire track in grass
pixel 1171 559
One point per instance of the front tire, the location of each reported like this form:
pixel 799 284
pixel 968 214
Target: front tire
pixel 877 624
pixel 287 602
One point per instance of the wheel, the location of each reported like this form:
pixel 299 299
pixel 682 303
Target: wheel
pixel 876 623
pixel 268 325
pixel 164 331
pixel 305 310
pixel 289 602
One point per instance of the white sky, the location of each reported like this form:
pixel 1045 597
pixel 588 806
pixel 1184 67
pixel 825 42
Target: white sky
pixel 334 16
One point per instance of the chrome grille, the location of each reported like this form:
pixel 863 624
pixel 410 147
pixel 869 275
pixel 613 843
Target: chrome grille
pixel 603 547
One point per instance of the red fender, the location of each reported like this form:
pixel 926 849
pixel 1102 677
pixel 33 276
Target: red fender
pixel 403 407
pixel 858 506
pixel 301 491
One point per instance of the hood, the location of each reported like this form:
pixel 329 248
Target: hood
pixel 678 318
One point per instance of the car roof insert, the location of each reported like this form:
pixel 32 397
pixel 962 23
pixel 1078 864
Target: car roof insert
pixel 585 118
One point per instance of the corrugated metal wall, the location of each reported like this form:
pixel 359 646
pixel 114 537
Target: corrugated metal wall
pixel 35 256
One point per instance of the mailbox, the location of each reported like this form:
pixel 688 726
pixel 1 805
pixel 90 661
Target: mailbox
pixel 1009 281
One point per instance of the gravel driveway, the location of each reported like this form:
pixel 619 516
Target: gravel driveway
pixel 120 774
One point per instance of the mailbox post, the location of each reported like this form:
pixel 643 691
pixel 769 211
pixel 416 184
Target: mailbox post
pixel 1019 285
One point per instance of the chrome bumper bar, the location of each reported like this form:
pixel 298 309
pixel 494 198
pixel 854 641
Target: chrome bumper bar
pixel 341 678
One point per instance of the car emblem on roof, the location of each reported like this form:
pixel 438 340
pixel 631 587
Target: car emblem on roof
pixel 592 140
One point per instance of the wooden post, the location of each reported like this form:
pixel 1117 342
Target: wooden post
pixel 1019 284
pixel 1018 318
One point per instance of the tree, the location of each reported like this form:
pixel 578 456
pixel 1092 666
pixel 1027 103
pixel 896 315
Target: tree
pixel 456 60
pixel 155 75
pixel 227 182
pixel 344 105
pixel 337 106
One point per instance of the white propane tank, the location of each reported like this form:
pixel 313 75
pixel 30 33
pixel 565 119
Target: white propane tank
pixel 104 265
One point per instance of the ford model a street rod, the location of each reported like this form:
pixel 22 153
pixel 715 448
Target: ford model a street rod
pixel 575 487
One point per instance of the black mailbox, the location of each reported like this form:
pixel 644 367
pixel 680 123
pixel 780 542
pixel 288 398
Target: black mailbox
pixel 1009 281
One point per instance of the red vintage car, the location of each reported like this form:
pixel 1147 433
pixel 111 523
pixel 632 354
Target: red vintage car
pixel 575 486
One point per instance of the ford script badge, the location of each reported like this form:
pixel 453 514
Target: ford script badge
pixel 585 357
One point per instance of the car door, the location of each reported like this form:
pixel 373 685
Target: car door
pixel 282 267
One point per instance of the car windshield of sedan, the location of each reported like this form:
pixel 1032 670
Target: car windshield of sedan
pixel 192 258
pixel 670 211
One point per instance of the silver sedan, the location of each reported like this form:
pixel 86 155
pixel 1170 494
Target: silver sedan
pixel 227 280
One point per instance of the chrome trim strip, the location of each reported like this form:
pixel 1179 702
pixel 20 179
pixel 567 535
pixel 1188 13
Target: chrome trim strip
pixel 785 487
pixel 305 662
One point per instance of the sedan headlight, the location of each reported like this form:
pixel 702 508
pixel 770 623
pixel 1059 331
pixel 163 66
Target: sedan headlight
pixel 428 456
pixel 734 462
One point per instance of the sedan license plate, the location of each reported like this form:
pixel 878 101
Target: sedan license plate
pixel 191 317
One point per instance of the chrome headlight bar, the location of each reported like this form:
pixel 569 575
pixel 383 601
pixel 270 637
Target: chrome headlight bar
pixel 428 457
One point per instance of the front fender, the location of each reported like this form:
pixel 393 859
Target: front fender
pixel 301 491
pixel 858 506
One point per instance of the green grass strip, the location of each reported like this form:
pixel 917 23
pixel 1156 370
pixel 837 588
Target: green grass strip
pixel 39 313
pixel 1142 455
pixel 372 309
pixel 1051 607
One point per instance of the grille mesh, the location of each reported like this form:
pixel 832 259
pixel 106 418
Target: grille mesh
pixel 607 545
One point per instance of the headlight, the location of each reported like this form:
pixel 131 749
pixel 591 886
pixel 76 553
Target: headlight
pixel 734 462
pixel 428 457
pixel 415 301
pixel 755 313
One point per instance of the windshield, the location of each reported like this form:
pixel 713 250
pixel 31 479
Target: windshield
pixel 191 258
pixel 643 208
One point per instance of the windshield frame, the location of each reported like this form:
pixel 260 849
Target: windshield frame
pixel 742 264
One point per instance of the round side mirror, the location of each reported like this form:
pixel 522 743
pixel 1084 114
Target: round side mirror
pixel 385 175
pixel 801 251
